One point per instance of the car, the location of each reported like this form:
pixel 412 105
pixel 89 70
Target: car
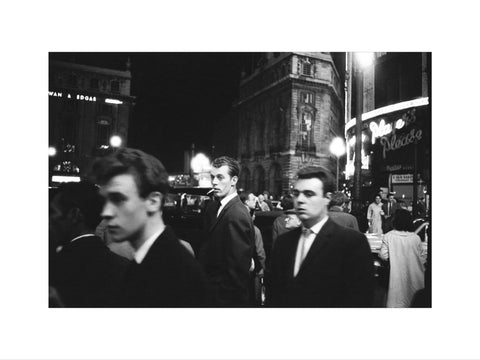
pixel 184 210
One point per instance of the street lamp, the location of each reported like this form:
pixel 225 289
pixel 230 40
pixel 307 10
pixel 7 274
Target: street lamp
pixel 52 151
pixel 361 61
pixel 337 148
pixel 115 141
pixel 200 165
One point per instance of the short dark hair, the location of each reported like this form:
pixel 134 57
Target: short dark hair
pixel 318 172
pixel 287 202
pixel 402 220
pixel 84 196
pixel 243 197
pixel 338 198
pixel 233 165
pixel 149 173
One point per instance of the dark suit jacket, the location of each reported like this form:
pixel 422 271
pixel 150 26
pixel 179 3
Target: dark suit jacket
pixel 337 271
pixel 393 208
pixel 87 274
pixel 227 254
pixel 342 218
pixel 168 276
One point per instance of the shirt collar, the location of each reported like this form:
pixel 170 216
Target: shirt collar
pixel 227 198
pixel 60 247
pixel 318 226
pixel 81 236
pixel 143 250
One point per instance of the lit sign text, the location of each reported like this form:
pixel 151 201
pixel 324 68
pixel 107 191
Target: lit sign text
pixel 78 96
pixel 391 143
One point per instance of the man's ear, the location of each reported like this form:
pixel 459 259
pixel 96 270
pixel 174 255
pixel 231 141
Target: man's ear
pixel 154 201
pixel 234 179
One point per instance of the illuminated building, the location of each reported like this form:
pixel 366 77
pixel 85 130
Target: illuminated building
pixel 288 111
pixel 396 128
pixel 88 107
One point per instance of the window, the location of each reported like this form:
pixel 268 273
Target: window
pixel 94 83
pixel 115 86
pixel 306 98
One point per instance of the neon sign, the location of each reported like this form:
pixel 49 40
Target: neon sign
pixel 78 96
pixel 392 143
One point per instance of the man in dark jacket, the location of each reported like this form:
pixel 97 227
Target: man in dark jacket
pixel 321 264
pixel 336 211
pixel 227 255
pixel 84 272
pixel 162 273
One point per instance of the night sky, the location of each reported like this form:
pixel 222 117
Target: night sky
pixel 180 97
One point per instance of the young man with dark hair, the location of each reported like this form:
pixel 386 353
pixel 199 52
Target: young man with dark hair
pixel 228 252
pixel 83 271
pixel 163 273
pixel 321 264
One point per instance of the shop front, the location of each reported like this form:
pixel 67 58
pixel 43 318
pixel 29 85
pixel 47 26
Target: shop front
pixel 396 153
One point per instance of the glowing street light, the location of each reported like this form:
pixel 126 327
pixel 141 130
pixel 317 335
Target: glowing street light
pixel 200 164
pixel 364 59
pixel 115 141
pixel 52 151
pixel 337 148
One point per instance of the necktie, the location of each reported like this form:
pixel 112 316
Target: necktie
pixel 300 257
pixel 306 233
pixel 388 211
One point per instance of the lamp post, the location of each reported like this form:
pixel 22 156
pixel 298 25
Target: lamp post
pixel 337 148
pixel 361 61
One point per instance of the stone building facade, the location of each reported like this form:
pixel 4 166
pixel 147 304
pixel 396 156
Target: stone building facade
pixel 87 105
pixel 288 111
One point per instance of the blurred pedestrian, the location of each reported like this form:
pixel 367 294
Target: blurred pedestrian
pixel 258 261
pixel 227 254
pixel 336 213
pixel 85 273
pixel 287 221
pixel 407 256
pixel 252 202
pixel 374 216
pixel 389 208
pixel 262 203
pixel 163 273
pixel 321 264
pixel 268 199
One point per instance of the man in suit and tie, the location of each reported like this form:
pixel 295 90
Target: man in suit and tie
pixel 228 252
pixel 163 273
pixel 321 264
pixel 84 272
pixel 389 207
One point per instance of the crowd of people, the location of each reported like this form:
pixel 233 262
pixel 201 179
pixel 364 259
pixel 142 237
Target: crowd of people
pixel 318 256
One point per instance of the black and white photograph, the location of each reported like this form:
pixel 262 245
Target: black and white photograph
pixel 242 186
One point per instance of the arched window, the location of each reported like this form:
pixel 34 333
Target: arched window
pixel 244 179
pixel 258 179
pixel 275 180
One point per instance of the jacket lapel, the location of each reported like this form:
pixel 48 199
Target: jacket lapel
pixel 222 213
pixel 322 238
pixel 292 251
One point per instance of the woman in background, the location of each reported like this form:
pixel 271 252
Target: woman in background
pixel 403 248
pixel 374 216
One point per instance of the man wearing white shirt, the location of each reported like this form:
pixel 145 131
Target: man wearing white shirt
pixel 227 254
pixel 162 272
pixel 321 264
